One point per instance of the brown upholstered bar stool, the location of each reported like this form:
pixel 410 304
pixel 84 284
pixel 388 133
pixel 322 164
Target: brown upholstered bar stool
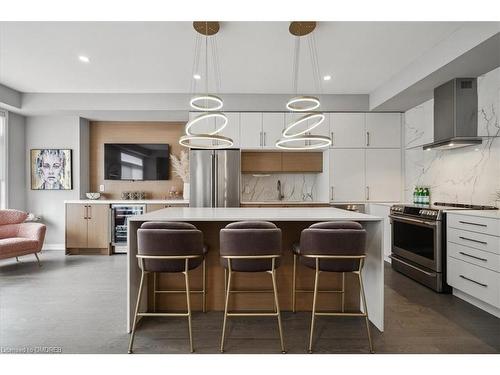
pixel 336 246
pixel 251 246
pixel 170 247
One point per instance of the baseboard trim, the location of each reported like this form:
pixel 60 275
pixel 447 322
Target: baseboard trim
pixel 478 303
pixel 53 246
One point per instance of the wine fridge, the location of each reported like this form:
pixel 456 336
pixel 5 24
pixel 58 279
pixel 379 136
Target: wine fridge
pixel 119 224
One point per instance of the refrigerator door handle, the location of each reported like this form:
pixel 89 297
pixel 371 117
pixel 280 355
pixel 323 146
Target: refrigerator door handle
pixel 216 181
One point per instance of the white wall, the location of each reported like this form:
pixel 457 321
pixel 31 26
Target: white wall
pixel 53 132
pixel 464 175
pixel 17 161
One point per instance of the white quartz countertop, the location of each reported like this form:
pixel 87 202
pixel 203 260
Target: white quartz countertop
pixel 128 201
pixel 492 214
pixel 284 202
pixel 251 213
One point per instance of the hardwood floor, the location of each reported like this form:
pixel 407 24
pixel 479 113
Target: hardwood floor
pixel 77 303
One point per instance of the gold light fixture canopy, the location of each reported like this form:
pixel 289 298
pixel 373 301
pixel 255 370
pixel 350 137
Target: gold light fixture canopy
pixel 206 28
pixel 301 28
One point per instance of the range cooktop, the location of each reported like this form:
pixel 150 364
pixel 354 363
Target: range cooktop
pixel 433 211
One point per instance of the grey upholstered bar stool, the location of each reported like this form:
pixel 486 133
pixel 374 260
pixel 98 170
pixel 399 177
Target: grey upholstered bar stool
pixel 336 246
pixel 172 247
pixel 251 246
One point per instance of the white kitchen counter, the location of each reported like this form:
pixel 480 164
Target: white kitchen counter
pixel 127 201
pixel 289 220
pixel 285 202
pixel 253 213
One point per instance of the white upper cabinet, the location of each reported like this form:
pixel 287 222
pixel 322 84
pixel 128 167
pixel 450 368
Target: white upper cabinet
pixel 347 175
pixel 202 127
pixel 272 128
pixel 383 175
pixel 383 130
pixel 232 129
pixel 250 130
pixel 348 130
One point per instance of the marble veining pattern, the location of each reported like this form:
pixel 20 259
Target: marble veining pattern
pixel 295 187
pixel 465 175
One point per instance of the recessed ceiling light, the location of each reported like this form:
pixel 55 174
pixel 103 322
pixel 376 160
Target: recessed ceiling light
pixel 196 76
pixel 84 59
pixel 327 78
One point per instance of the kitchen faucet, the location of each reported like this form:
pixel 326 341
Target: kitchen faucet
pixel 280 192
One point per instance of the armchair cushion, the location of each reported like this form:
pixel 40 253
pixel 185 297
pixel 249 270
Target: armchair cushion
pixel 12 247
pixel 12 217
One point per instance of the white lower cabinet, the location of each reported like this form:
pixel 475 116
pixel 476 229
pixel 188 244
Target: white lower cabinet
pixel 473 259
pixel 347 175
pixel 383 175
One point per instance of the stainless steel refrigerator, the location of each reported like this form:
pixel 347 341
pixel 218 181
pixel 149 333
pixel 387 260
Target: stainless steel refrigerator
pixel 214 178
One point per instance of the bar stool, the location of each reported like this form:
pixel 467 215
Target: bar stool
pixel 250 246
pixel 336 246
pixel 170 247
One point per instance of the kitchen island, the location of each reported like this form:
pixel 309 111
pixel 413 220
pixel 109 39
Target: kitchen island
pixel 291 221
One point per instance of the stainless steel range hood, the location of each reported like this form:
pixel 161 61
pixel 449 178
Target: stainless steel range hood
pixel 455 115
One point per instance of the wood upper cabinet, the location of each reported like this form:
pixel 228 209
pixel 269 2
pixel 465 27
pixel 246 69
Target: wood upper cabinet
pixel 87 226
pixel 280 162
pixel 383 130
pixel 261 162
pixel 302 162
pixel 250 130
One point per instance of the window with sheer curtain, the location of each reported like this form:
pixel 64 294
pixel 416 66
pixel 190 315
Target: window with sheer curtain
pixel 3 159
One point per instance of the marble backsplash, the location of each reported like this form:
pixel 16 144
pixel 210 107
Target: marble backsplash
pixel 263 188
pixel 464 175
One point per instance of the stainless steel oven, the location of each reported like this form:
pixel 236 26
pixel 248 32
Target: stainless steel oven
pixel 418 241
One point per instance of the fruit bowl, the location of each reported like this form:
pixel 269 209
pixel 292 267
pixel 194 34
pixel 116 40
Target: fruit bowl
pixel 93 196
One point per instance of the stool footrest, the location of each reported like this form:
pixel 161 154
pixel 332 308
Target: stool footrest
pixel 252 291
pixel 340 314
pixel 177 291
pixel 319 291
pixel 253 314
pixel 163 314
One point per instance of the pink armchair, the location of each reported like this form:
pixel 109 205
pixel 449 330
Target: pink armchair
pixel 17 237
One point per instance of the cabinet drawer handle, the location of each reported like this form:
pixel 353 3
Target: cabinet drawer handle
pixel 368 138
pixel 89 212
pixel 367 193
pixel 468 222
pixel 473 281
pixel 472 256
pixel 331 136
pixel 331 193
pixel 86 214
pixel 473 240
pixel 264 138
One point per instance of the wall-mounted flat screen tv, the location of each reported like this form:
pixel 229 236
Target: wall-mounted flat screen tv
pixel 136 161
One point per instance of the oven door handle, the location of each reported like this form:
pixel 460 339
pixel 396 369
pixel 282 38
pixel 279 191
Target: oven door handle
pixel 412 266
pixel 410 220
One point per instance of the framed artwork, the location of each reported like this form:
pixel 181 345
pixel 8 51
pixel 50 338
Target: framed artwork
pixel 51 169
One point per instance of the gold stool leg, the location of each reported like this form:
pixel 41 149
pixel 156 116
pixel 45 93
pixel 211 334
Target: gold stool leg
pixel 38 260
pixel 277 306
pixel 204 282
pixel 294 281
pixel 190 328
pixel 155 280
pixel 362 289
pixel 228 289
pixel 343 291
pixel 313 313
pixel 139 295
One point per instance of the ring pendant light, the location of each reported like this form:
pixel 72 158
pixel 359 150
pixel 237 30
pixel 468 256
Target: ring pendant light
pixel 207 103
pixel 204 117
pixel 293 139
pixel 318 120
pixel 313 142
pixel 219 141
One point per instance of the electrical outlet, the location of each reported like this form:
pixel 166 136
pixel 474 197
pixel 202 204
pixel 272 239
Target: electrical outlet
pixel 101 188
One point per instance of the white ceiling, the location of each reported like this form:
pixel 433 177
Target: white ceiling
pixel 254 57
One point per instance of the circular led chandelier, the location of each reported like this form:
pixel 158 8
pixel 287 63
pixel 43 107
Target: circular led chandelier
pixel 209 104
pixel 296 135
